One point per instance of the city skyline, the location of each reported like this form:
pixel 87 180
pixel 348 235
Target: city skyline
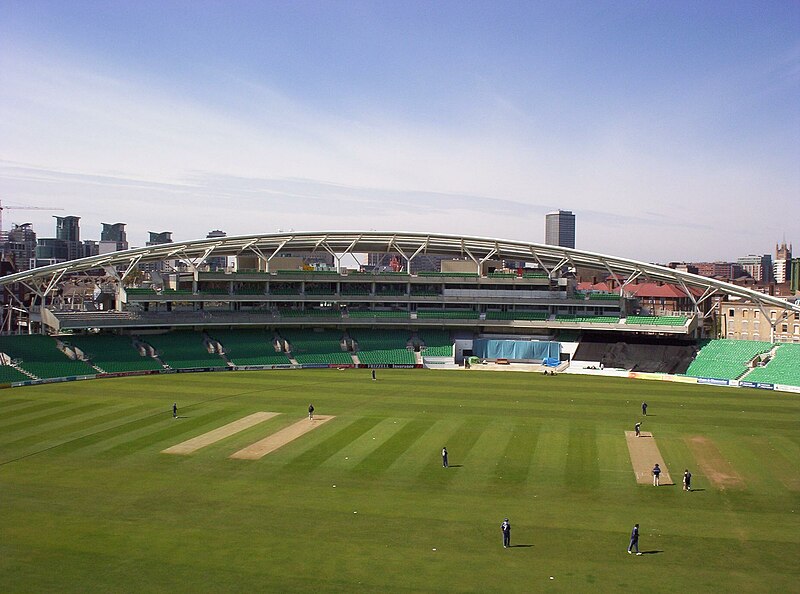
pixel 58 222
pixel 663 128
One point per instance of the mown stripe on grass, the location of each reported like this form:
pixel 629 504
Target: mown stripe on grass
pixel 99 437
pixel 458 446
pixel 550 457
pixel 68 431
pixel 483 458
pixel 11 402
pixel 49 418
pixel 613 462
pixel 426 451
pixel 582 472
pixel 168 433
pixel 779 470
pixel 381 458
pixel 318 453
pixel 351 455
pixel 514 464
pixel 33 408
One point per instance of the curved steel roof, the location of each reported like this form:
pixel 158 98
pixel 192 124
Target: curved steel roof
pixel 408 245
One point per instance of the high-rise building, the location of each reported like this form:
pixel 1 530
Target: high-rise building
pixel 160 238
pixel 68 228
pixel 559 229
pixel 795 275
pixel 113 233
pixel 723 270
pixel 68 240
pixel 758 267
pixel 217 262
pixel 782 266
pixel 21 246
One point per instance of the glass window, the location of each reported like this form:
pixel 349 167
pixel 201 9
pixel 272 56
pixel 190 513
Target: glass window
pixel 731 313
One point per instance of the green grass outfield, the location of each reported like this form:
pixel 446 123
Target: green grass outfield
pixel 88 502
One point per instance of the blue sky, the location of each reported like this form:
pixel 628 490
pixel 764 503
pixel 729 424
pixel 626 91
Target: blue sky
pixel 672 130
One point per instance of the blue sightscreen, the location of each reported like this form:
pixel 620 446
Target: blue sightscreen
pixel 516 349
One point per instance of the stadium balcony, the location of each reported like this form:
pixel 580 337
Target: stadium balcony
pixel 448 314
pixel 657 320
pixel 517 315
pixel 587 319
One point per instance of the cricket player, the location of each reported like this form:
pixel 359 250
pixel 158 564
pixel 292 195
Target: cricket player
pixel 638 428
pixel 444 457
pixel 310 412
pixel 174 410
pixel 644 408
pixel 634 540
pixel 506 528
pixel 656 474
pixel 687 480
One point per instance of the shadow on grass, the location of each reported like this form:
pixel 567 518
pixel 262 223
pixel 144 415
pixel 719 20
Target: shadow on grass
pixel 454 465
pixel 651 552
pixel 521 546
pixel 696 490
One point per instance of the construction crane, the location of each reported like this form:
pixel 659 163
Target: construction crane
pixel 2 208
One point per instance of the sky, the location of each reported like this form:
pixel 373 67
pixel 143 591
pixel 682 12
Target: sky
pixel 671 130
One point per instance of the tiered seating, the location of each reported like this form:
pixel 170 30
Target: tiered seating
pixel 320 290
pixel 285 290
pixel 8 375
pixel 783 368
pixel 657 320
pixel 249 347
pixel 604 297
pixel 378 347
pixel 183 349
pixel 306 272
pixel 450 314
pixel 535 275
pixel 437 343
pixel 112 353
pixel 587 319
pixel 309 346
pixel 310 313
pixel 726 359
pixel 213 291
pixel 448 274
pixel 350 290
pixel 517 315
pixel 378 314
pixel 40 356
pixel 502 275
pixel 139 291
